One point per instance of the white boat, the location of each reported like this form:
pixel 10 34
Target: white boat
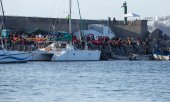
pixel 69 53
pixel 120 57
pixel 96 30
pixel 157 55
pixel 10 56
pixel 66 52
pixel 13 56
pixel 130 56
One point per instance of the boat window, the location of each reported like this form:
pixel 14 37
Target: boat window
pixel 63 45
pixel 57 45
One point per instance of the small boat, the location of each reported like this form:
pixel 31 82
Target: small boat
pixel 131 57
pixel 158 55
pixel 124 57
pixel 120 57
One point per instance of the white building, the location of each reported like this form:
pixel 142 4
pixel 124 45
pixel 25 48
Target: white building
pixel 96 30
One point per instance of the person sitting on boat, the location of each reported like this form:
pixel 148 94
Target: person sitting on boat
pixel 86 47
pixel 129 41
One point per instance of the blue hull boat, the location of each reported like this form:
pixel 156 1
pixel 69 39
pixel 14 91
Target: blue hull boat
pixel 158 55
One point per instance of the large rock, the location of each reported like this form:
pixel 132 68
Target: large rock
pixel 162 43
pixel 167 43
pixel 156 34
pixel 166 37
pixel 153 42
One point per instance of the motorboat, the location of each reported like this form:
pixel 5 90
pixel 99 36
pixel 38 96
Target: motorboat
pixel 158 55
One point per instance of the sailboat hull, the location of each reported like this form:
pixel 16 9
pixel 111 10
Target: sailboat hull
pixel 77 55
pixel 40 56
pixel 13 56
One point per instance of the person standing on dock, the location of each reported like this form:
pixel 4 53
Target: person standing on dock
pixel 109 20
pixel 114 20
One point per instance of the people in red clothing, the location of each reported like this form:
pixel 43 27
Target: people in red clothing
pixel 74 39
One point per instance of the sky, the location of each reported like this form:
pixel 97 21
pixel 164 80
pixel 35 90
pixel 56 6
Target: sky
pixel 90 9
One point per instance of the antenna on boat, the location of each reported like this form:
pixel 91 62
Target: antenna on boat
pixel 70 10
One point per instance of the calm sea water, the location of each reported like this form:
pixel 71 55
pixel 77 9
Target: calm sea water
pixel 111 81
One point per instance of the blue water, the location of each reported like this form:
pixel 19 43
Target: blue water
pixel 110 81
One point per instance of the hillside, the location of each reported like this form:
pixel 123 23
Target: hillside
pixel 163 23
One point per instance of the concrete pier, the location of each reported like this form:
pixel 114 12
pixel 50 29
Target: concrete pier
pixel 134 29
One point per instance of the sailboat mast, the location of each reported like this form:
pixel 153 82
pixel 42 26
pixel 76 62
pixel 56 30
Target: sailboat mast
pixel 70 9
pixel 3 20
pixel 3 24
pixel 81 35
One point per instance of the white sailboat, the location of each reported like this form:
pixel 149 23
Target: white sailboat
pixel 70 53
pixel 10 56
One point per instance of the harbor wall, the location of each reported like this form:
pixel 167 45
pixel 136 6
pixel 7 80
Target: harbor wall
pixel 133 29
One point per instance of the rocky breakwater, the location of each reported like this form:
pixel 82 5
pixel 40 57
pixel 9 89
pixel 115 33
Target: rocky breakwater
pixel 159 40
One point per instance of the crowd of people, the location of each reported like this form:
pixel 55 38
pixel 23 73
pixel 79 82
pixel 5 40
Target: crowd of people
pixel 29 42
pixel 115 43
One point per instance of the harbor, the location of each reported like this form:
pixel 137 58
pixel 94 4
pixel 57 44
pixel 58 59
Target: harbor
pixel 84 51
pixel 114 39
pixel 120 43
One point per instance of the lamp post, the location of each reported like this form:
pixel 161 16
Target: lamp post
pixel 125 11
